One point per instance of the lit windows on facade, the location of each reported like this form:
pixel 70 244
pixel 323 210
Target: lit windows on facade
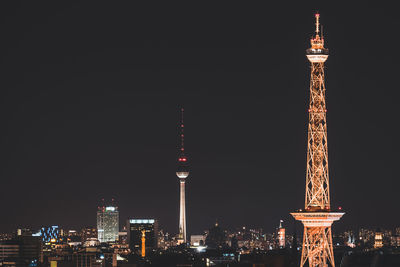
pixel 107 223
pixel 138 228
pixel 50 234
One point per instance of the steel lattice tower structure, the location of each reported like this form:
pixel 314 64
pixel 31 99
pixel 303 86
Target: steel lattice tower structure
pixel 182 173
pixel 318 216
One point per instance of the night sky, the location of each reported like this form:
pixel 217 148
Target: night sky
pixel 89 108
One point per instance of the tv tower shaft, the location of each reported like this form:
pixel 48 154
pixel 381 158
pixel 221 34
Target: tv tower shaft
pixel 182 212
pixel 182 173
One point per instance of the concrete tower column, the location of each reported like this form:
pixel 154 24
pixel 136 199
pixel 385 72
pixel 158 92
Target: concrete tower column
pixel 182 213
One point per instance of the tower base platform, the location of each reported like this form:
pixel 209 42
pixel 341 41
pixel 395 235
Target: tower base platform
pixel 317 218
pixel 317 238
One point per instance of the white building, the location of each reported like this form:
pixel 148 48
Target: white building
pixel 107 224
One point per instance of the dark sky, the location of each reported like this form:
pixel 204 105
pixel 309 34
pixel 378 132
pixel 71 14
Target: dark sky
pixel 89 108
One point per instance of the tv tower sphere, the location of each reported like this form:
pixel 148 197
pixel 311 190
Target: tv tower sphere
pixel 182 174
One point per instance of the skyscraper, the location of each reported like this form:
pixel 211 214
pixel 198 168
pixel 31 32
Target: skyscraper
pixel 318 216
pixel 107 223
pixel 50 234
pixel 378 239
pixel 281 235
pixel 182 173
pixel 142 232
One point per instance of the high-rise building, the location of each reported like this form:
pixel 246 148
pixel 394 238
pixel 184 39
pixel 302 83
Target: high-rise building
pixel 50 234
pixel 318 216
pixel 23 250
pixel 378 239
pixel 142 231
pixel 182 173
pixel 9 249
pixel 88 233
pixel 107 223
pixel 281 235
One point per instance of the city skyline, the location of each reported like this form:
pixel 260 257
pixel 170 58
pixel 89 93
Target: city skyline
pixel 91 117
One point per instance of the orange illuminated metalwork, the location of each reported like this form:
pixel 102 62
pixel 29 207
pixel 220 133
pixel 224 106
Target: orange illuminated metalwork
pixel 317 218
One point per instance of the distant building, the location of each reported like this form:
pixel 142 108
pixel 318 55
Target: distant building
pixel 24 232
pixel 349 239
pixel 366 237
pixel 9 251
pixel 378 239
pixel 107 223
pixel 72 233
pixel 197 240
pixel 281 235
pixel 50 234
pixel 395 241
pixel 88 233
pixel 93 257
pixel 216 237
pixel 20 251
pixel 165 240
pixel 73 238
pixel 135 228
pixel 122 237
pixel 6 236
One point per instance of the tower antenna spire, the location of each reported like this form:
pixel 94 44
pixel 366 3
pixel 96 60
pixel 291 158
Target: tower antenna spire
pixel 317 23
pixel 182 131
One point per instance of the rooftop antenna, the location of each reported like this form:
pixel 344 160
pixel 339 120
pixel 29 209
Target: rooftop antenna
pixel 317 23
pixel 182 132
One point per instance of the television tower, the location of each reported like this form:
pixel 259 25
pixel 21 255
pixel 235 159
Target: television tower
pixel 317 217
pixel 182 173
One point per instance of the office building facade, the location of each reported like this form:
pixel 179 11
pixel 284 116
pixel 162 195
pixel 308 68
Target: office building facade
pixel 137 228
pixel 107 223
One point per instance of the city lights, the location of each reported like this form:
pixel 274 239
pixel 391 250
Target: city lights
pixel 104 105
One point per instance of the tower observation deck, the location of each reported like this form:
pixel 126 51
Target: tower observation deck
pixel 317 216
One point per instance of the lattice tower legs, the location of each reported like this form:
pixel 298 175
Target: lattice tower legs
pixel 317 178
pixel 317 247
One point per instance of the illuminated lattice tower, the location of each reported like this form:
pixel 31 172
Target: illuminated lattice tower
pixel 317 217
